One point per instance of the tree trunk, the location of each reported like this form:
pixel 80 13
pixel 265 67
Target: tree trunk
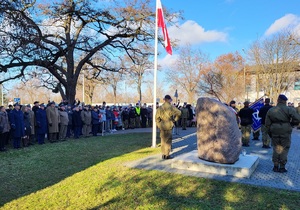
pixel 71 91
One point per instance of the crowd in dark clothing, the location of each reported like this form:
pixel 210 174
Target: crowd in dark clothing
pixel 23 125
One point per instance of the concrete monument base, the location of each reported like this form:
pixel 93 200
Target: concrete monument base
pixel 242 168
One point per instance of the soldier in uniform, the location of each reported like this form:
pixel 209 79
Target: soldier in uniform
pixel 184 116
pixel 278 126
pixel 246 122
pixel 262 114
pixel 165 117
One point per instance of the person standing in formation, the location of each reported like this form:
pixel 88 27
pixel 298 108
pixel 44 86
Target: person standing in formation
pixel 278 126
pixel 165 118
pixel 245 115
pixel 262 114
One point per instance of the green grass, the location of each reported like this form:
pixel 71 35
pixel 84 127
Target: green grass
pixel 90 174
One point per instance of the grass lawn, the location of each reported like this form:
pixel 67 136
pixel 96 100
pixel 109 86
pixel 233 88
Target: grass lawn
pixel 89 174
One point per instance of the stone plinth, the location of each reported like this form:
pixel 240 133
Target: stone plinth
pixel 218 134
pixel 242 168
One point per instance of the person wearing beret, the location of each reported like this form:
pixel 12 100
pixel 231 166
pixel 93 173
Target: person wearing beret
pixel 165 118
pixel 278 126
pixel 17 125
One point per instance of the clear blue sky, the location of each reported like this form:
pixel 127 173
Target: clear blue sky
pixel 223 26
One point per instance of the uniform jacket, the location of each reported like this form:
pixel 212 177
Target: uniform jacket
pixel 86 117
pixel 184 113
pixel 166 115
pixel 64 117
pixel 16 119
pixel 4 122
pixel 278 119
pixel 53 118
pixel 41 121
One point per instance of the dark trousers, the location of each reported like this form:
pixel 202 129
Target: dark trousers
pixel 144 122
pixel 77 131
pixel 4 137
pixel 41 138
pixel 95 128
pixel 166 141
pixel 69 130
pixel 17 142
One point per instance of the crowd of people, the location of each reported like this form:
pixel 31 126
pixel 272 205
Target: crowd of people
pixel 25 125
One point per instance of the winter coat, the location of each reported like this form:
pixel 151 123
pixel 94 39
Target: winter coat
pixel 95 118
pixel 27 124
pixel 32 121
pixel 184 113
pixel 16 119
pixel 246 116
pixel 4 122
pixel 103 115
pixel 53 119
pixel 70 117
pixel 109 115
pixel 64 118
pixel 144 112
pixel 263 113
pixel 86 117
pixel 125 114
pixel 77 119
pixel 41 121
pixel 166 115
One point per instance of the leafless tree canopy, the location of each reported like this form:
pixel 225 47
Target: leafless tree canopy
pixel 275 63
pixel 55 40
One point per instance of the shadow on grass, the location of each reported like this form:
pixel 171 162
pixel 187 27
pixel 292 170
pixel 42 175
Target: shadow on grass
pixel 159 190
pixel 34 168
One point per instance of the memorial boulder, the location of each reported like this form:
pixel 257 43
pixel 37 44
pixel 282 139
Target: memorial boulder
pixel 218 134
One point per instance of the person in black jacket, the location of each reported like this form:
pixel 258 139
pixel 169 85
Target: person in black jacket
pixel 246 122
pixel 266 139
pixel 144 115
pixel 77 122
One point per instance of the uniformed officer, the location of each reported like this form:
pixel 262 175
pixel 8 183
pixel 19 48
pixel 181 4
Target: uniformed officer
pixel 184 116
pixel 278 126
pixel 262 114
pixel 165 118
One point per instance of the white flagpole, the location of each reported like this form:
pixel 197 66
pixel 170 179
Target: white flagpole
pixel 154 79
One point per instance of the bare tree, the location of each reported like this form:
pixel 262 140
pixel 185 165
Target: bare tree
pixel 186 72
pixel 63 36
pixel 275 61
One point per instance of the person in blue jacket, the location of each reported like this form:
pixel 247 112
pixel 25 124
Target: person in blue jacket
pixel 17 125
pixel 41 124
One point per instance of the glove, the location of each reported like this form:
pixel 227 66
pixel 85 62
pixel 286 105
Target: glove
pixel 50 124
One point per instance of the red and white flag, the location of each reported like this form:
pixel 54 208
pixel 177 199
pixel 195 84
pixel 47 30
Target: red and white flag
pixel 162 25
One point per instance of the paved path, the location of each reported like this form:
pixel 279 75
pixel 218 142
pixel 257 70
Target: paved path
pixel 262 176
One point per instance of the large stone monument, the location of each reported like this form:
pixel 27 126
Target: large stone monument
pixel 218 134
